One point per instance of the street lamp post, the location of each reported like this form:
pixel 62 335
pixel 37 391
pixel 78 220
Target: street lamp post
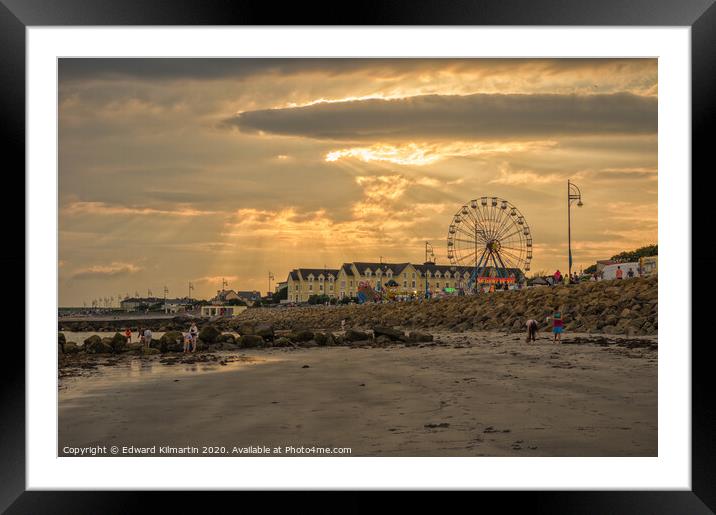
pixel 573 194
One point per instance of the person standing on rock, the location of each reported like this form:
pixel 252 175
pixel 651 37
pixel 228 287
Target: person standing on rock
pixel 630 273
pixel 148 337
pixel 531 330
pixel 128 335
pixel 620 273
pixel 557 326
pixel 140 335
pixel 557 277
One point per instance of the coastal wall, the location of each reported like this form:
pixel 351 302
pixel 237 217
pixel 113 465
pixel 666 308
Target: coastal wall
pixel 609 307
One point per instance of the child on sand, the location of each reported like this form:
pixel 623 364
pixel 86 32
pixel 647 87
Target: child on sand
pixel 557 325
pixel 531 330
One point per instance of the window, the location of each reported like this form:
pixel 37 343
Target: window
pixel 343 284
pixel 437 285
pixel 310 278
pixel 405 284
pixel 297 287
pixel 367 273
pixel 351 284
pixel 320 278
pixel 310 287
pixel 405 275
pixel 413 285
pixel 413 275
pixel 320 287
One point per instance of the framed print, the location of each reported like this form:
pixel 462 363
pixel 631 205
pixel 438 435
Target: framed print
pixel 397 256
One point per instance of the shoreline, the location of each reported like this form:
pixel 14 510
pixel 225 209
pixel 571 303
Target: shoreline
pixel 466 394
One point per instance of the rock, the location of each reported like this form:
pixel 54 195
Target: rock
pixel 96 345
pixel 250 340
pixel 172 341
pixel 282 342
pixel 71 348
pixel 209 334
pixel 227 338
pixel 148 351
pixel 119 343
pixel 301 335
pixel 625 313
pixel 354 336
pixel 321 339
pixel 383 339
pixel 135 347
pixel 92 340
pixel 416 336
pixel 388 332
pixel 265 331
pixel 61 342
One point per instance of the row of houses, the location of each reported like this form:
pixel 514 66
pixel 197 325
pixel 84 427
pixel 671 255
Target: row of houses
pixel 406 278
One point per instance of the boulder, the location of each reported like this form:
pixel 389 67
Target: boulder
pixel 265 331
pixel 61 341
pixel 282 342
pixel 321 339
pixel 250 340
pixel 92 341
pixel 172 341
pixel 227 338
pixel 417 336
pixel 96 345
pixel 209 334
pixel 382 339
pixel 388 332
pixel 355 336
pixel 301 335
pixel 119 343
pixel 148 351
pixel 71 348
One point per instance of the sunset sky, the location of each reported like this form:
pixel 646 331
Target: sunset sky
pixel 178 170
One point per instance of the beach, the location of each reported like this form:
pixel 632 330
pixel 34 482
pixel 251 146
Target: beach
pixel 465 394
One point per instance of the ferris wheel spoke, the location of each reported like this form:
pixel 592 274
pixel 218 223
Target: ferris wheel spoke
pixel 506 226
pixel 511 255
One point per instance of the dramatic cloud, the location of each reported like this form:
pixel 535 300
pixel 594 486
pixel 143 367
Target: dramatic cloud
pixel 335 160
pixel 112 270
pixel 481 117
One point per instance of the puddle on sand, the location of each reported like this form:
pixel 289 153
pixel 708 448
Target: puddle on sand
pixel 139 370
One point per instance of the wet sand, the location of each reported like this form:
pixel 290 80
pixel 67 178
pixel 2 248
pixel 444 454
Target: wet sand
pixel 476 394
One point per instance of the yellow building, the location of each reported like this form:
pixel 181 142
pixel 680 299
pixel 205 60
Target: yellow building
pixel 304 282
pixel 401 278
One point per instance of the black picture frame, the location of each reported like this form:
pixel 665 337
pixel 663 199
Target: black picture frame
pixel 699 15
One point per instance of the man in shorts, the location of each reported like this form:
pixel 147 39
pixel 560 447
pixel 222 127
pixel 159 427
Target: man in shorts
pixel 531 330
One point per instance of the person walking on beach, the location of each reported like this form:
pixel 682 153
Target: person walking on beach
pixel 531 330
pixel 140 335
pixel 557 326
pixel 194 333
pixel 147 337
pixel 128 335
pixel 630 273
pixel 620 273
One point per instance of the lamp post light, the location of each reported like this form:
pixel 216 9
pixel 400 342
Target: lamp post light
pixel 573 195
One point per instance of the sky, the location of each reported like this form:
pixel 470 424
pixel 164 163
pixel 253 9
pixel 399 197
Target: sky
pixel 174 171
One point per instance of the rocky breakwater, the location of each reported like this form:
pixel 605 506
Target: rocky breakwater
pixel 626 307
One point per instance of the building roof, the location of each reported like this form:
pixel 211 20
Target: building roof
pixel 293 275
pixel 251 295
pixel 305 272
pixel 395 268
pixel 347 268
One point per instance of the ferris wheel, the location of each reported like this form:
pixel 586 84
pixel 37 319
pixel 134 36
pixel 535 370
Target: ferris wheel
pixel 491 236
